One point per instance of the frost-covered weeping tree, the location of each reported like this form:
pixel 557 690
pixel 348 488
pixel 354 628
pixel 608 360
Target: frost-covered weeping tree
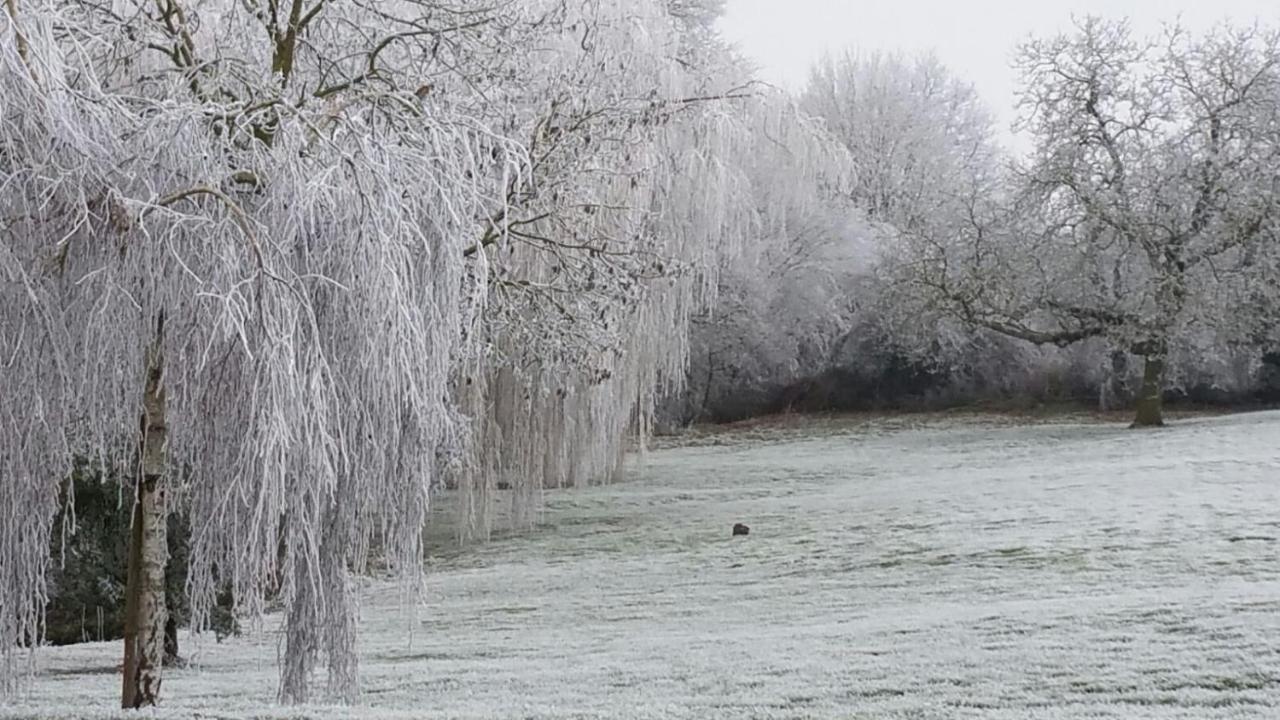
pixel 234 258
pixel 635 122
pixel 785 298
pixel 1148 209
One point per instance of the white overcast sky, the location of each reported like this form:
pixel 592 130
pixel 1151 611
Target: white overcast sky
pixel 975 38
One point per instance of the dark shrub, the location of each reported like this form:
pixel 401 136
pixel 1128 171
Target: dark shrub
pixel 90 564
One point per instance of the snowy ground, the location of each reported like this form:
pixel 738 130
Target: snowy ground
pixel 947 570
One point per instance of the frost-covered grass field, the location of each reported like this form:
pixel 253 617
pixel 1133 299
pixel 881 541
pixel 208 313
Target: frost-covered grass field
pixel 950 569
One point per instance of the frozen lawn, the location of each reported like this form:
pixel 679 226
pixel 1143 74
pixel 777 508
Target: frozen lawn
pixel 942 570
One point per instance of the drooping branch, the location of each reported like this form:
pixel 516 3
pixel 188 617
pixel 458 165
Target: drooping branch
pixel 237 213
pixel 24 49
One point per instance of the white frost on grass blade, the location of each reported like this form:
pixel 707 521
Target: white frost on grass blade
pixel 949 571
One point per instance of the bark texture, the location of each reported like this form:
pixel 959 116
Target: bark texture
pixel 145 611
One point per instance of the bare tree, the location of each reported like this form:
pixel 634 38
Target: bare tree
pixel 1150 195
pixel 916 133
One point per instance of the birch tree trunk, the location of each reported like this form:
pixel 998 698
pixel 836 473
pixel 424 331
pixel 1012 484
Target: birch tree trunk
pixel 145 611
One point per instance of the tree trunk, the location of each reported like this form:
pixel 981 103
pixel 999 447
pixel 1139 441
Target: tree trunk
pixel 171 657
pixel 1114 392
pixel 1150 399
pixel 145 611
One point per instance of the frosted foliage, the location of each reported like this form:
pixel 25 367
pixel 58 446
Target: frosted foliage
pixel 1171 195
pixel 1145 214
pixel 638 188
pixel 461 245
pixel 784 298
pixel 923 145
pixel 918 134
pixel 309 315
pixel 34 411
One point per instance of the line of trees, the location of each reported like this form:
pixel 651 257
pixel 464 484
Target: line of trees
pixel 293 266
pixel 1141 224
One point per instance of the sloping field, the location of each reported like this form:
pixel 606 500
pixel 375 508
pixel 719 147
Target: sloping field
pixel 946 570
